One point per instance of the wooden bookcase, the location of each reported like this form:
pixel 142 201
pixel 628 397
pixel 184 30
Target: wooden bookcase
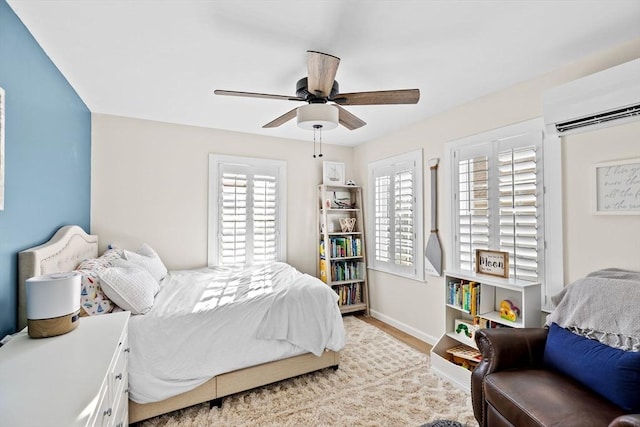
pixel 476 306
pixel 342 254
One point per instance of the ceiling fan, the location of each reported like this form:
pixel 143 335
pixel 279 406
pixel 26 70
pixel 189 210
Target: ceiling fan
pixel 320 87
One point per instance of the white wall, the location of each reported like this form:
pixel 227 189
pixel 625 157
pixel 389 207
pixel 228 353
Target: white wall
pixel 149 184
pixel 592 241
pixel 417 307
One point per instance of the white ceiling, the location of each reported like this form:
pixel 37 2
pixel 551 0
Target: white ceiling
pixel 161 60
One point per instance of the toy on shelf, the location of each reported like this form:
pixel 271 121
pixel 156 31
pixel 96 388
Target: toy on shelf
pixel 462 327
pixel 509 311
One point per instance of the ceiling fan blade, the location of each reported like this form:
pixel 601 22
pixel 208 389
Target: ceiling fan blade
pixel 348 120
pixel 257 95
pixel 401 96
pixel 321 72
pixel 282 119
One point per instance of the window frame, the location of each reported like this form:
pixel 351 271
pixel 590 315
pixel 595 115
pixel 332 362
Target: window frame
pixel 552 280
pixel 254 165
pixel 416 271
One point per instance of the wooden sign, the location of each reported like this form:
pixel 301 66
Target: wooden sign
pixel 494 263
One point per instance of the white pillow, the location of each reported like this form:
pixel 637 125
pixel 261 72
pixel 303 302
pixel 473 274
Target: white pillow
pixel 148 259
pixel 130 286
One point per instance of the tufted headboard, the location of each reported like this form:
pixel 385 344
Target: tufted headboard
pixel 68 247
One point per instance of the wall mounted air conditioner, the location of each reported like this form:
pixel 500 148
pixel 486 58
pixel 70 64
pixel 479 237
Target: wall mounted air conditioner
pixel 607 98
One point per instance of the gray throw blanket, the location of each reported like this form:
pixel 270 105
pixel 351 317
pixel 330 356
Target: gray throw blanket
pixel 604 306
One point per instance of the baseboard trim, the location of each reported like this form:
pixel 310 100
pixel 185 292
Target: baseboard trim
pixel 403 327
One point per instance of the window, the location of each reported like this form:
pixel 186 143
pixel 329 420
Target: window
pixel 499 202
pixel 247 208
pixel 395 218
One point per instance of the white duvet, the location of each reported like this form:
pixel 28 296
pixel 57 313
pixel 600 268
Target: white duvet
pixel 209 321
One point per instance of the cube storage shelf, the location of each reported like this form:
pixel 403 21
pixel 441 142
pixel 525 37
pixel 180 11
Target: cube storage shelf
pixel 341 252
pixel 479 306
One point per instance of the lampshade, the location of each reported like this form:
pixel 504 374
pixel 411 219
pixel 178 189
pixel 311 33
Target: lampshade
pixel 314 116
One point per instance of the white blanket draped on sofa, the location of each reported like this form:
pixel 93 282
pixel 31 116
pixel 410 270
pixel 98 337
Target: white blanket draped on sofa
pixel 209 321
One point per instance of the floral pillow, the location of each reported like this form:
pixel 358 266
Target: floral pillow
pixel 103 261
pixel 92 298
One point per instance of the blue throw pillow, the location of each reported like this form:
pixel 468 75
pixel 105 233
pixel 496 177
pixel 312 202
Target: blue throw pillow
pixel 608 371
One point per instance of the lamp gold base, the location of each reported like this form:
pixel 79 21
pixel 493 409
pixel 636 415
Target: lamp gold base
pixel 44 328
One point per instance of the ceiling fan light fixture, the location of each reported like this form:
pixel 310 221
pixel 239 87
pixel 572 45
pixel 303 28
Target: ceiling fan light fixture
pixel 317 116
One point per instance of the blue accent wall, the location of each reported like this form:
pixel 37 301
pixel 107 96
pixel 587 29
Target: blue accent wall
pixel 47 155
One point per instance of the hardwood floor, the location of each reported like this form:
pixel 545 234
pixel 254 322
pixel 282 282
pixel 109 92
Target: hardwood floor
pixel 397 333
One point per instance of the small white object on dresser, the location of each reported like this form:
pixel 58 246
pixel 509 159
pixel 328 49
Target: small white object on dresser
pixel 76 379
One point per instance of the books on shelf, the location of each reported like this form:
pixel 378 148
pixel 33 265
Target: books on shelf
pixel 464 295
pixel 349 294
pixel 345 270
pixel 339 270
pixel 342 247
pixel 348 246
pixel 488 324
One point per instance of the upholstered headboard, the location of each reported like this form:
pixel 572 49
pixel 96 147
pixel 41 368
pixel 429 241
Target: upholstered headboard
pixel 63 252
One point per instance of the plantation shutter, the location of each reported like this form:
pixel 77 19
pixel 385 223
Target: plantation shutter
pixel 264 218
pixel 247 215
pixel 396 215
pixel 473 213
pixel 382 221
pixel 499 194
pixel 518 211
pixel 233 219
pixel 404 216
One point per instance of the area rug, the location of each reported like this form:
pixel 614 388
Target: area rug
pixel 381 382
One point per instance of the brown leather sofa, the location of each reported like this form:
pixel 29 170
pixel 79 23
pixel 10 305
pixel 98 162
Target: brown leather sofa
pixel 511 387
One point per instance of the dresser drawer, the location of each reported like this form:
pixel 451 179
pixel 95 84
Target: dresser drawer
pixel 103 412
pixel 119 370
pixel 119 384
pixel 121 416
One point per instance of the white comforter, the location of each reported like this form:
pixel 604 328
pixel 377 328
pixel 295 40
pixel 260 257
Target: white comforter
pixel 210 321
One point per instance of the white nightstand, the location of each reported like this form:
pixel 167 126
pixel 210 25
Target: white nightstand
pixel 76 379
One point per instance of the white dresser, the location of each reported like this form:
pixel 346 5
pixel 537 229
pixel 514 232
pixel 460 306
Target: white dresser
pixel 76 379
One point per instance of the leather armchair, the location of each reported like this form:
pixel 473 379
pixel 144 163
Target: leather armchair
pixel 511 387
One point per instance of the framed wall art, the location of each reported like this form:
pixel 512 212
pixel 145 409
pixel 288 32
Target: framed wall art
pixel 332 173
pixel 616 187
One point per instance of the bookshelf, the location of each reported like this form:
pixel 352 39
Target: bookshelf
pixel 473 301
pixel 341 245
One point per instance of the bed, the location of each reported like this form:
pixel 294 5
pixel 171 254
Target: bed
pixel 194 321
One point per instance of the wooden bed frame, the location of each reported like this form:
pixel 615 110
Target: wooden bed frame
pixel 70 245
